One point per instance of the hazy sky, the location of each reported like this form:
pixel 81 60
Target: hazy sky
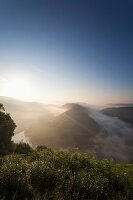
pixel 67 50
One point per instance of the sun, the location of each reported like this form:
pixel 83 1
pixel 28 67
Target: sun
pixel 18 88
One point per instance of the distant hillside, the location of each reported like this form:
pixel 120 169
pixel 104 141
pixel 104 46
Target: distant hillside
pixel 123 113
pixel 122 104
pixel 25 114
pixel 76 129
pixel 74 126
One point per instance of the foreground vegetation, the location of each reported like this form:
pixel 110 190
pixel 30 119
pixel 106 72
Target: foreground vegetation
pixel 63 175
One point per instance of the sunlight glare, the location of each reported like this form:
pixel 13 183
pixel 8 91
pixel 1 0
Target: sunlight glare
pixel 18 88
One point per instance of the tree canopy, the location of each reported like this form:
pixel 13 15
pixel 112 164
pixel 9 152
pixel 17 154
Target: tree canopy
pixel 7 127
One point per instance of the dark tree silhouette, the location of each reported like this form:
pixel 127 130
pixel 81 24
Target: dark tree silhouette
pixel 7 127
pixel 23 148
pixel 2 107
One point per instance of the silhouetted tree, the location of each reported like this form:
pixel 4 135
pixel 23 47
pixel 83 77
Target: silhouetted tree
pixel 23 148
pixel 7 127
pixel 1 107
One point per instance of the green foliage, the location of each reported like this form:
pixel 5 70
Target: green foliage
pixel 22 148
pixel 44 178
pixel 64 175
pixel 14 180
pixel 7 127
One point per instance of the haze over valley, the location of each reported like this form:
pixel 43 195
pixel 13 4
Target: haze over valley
pixel 107 132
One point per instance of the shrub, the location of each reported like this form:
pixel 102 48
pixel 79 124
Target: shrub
pixel 14 181
pixel 63 175
pixel 23 148
pixel 44 178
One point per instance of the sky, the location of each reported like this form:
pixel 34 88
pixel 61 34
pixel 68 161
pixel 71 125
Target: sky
pixel 67 50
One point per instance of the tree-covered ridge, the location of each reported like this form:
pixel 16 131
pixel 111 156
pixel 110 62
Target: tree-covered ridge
pixel 63 175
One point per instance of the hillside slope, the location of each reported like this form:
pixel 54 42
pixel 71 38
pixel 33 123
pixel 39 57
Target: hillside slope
pixel 123 113
pixel 76 128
